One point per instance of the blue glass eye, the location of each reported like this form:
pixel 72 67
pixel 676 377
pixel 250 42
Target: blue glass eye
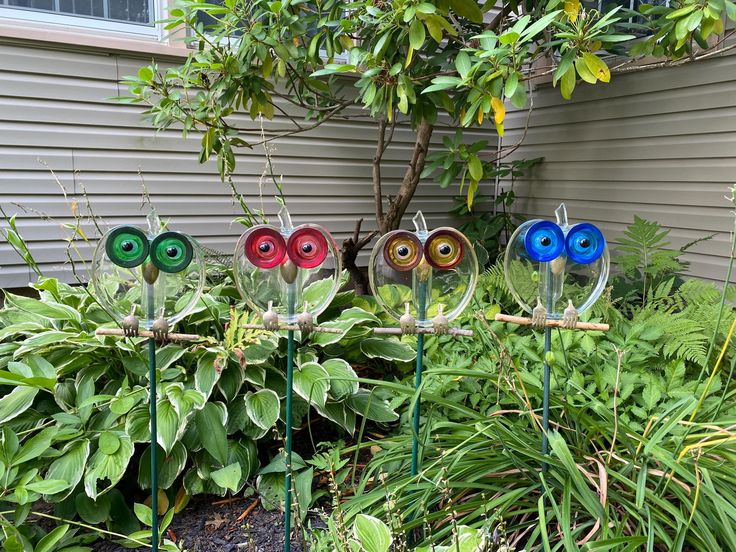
pixel 544 241
pixel 584 243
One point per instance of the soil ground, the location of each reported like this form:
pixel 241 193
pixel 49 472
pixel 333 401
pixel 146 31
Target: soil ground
pixel 209 524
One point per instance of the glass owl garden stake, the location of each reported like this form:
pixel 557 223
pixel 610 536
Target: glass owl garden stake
pixel 149 278
pixel 555 271
pixel 423 280
pixel 289 275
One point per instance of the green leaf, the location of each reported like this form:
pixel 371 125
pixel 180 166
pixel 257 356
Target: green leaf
pixel 108 468
pixel 372 533
pixel 463 64
pixel 367 404
pixel 228 477
pixel 45 309
pixel 263 408
pixel 343 379
pixel 468 9
pixel 16 402
pixel 168 423
pixel 475 167
pixel 49 541
pixel 109 442
pixel 35 446
pixel 387 348
pixel 69 466
pixel 312 382
pixel 48 486
pixel 210 423
pixel 416 34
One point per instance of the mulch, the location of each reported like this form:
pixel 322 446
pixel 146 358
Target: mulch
pixel 210 524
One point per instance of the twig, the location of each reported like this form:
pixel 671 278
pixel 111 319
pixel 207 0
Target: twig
pixel 146 333
pixel 397 331
pixel 247 511
pixel 293 327
pixel 523 321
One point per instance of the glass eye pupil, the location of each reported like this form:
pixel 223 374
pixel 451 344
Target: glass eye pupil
pixel 127 246
pixel 172 251
pixel 445 249
pixel 307 248
pixel 545 241
pixel 403 251
pixel 585 242
pixel 265 247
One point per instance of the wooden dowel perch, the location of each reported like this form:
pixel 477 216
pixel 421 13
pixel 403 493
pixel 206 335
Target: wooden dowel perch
pixel 146 333
pixel 523 321
pixel 294 327
pixel 397 331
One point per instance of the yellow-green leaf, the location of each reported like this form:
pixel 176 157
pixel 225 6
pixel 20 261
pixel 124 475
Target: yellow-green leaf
pixel 434 27
pixel 416 34
pixel 472 189
pixel 567 83
pixel 597 67
pixel 584 72
pixel 475 167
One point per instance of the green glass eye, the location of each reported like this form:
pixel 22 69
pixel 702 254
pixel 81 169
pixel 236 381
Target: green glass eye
pixel 171 252
pixel 126 246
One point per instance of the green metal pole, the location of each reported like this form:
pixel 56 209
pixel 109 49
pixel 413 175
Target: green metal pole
pixel 418 380
pixel 154 428
pixel 291 298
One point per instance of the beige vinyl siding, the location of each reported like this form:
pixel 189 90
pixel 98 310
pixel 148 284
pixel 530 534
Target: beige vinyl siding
pixel 660 144
pixel 54 107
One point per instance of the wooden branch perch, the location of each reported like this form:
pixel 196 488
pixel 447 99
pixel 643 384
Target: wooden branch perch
pixel 145 333
pixel 523 321
pixel 397 331
pixel 294 327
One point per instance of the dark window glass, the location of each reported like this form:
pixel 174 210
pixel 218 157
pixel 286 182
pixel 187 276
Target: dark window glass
pixel 129 11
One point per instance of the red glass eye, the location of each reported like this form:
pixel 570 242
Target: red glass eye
pixel 307 247
pixel 402 251
pixel 265 247
pixel 444 248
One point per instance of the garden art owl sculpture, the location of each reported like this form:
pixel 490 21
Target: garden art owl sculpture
pixel 555 270
pixel 288 274
pixel 152 277
pixel 423 279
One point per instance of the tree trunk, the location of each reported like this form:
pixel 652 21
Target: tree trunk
pixel 397 205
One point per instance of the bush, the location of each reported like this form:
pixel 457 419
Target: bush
pixel 75 415
pixel 642 445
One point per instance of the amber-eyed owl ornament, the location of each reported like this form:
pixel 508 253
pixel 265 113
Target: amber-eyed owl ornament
pixel 423 278
pixel 288 274
pixel 556 270
pixel 151 278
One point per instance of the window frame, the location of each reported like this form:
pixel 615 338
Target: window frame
pixel 72 22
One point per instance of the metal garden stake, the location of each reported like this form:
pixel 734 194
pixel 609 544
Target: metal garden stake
pixel 140 278
pixel 555 272
pixel 423 280
pixel 289 275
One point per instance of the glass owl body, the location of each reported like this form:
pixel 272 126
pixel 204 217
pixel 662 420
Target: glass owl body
pixel 555 264
pixel 431 272
pixel 291 270
pixel 148 274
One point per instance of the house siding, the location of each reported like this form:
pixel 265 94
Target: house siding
pixel 660 144
pixel 56 114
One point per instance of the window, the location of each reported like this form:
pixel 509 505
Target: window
pixel 130 16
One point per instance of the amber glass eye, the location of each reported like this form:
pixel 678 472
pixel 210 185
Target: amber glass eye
pixel 307 247
pixel 403 251
pixel 444 248
pixel 265 247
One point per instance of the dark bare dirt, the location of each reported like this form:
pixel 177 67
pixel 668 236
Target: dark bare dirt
pixel 209 524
